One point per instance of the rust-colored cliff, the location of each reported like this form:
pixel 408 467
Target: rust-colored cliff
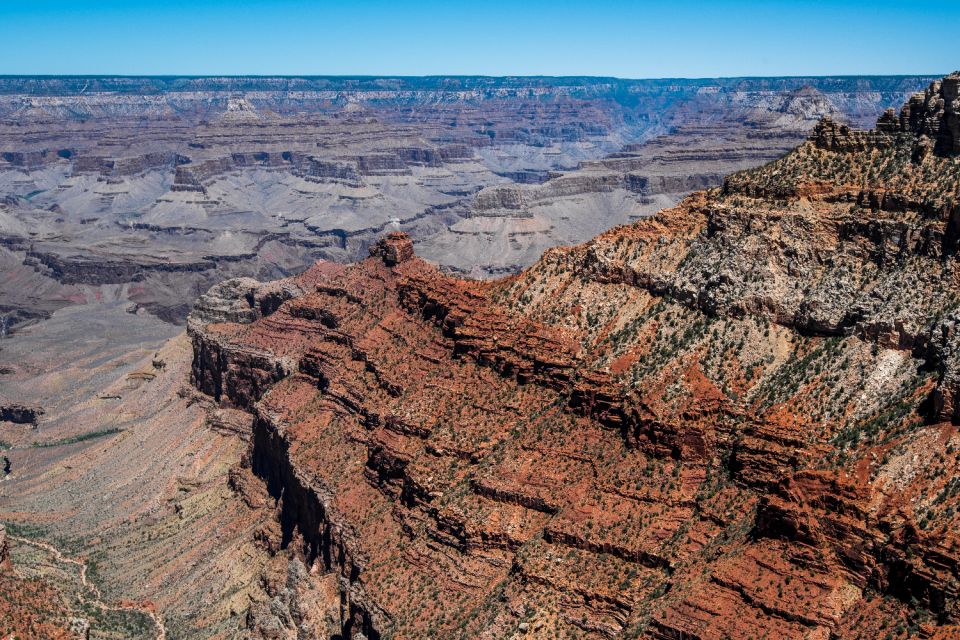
pixel 735 419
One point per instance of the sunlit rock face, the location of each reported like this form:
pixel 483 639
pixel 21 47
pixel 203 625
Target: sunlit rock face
pixel 735 418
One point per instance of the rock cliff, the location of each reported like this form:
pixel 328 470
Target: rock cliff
pixel 737 418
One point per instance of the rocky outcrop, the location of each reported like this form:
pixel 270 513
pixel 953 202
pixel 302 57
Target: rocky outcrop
pixel 94 270
pixel 836 136
pixel 733 419
pixel 5 563
pixel 381 164
pixel 517 197
pixel 395 248
pixel 934 113
pixel 331 170
pixel 120 167
pixel 20 414
pixel 241 301
pixel 236 376
pixel 193 176
pixel 945 355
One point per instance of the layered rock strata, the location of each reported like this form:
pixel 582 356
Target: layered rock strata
pixel 734 419
pixel 155 189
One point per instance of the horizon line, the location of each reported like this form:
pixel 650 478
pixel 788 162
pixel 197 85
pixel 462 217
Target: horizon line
pixel 365 76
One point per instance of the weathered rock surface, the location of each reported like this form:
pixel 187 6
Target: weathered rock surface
pixel 935 113
pixel 733 419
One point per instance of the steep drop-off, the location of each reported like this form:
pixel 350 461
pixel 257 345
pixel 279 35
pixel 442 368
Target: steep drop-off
pixel 735 419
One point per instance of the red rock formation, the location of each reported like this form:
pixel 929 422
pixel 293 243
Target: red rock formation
pixel 730 420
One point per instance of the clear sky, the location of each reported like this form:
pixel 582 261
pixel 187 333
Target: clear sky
pixel 670 38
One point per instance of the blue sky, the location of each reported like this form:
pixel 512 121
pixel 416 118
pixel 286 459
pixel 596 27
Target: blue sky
pixel 556 37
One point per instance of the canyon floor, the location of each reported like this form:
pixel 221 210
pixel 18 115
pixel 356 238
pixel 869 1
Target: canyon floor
pixel 126 474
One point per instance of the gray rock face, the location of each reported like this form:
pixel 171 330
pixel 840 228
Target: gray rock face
pixel 241 300
pixel 152 191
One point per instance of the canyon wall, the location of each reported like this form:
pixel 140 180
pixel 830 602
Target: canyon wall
pixel 735 418
pixel 155 189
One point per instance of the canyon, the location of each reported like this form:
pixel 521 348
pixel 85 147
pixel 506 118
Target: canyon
pixel 401 410
pixel 151 190
pixel 736 418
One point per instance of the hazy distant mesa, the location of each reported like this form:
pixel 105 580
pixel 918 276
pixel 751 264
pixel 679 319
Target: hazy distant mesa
pixel 152 189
